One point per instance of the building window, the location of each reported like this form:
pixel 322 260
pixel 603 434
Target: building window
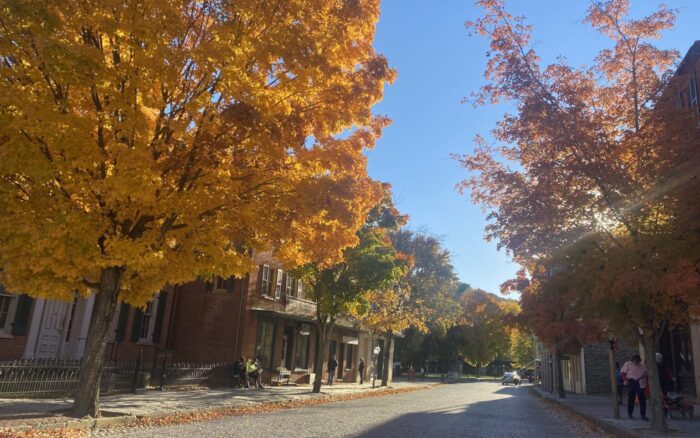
pixel 288 285
pixel 70 318
pixel 219 284
pixel 301 361
pixel 265 283
pixel 263 346
pixel 147 320
pixel 278 283
pixel 8 303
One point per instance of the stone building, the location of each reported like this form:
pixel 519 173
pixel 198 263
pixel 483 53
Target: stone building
pixel 586 371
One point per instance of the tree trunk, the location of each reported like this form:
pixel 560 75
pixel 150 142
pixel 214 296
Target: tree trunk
pixel 387 359
pixel 87 393
pixel 559 376
pixel 322 345
pixel 655 402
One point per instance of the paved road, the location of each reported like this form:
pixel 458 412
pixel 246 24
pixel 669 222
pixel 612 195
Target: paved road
pixel 477 409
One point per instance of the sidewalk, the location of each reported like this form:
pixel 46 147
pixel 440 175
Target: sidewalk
pixel 120 409
pixel 598 409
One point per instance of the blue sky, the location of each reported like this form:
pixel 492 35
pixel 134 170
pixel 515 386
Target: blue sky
pixel 438 65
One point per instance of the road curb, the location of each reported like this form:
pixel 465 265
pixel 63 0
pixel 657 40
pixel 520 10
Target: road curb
pixel 616 431
pixel 67 423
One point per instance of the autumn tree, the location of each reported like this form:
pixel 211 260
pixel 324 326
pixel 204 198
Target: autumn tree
pixel 151 143
pixel 522 347
pixel 344 289
pixel 434 289
pixel 602 154
pixel 391 310
pixel 483 327
pixel 423 298
pixel 556 310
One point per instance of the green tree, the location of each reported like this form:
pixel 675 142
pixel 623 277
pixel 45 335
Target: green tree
pixel 434 286
pixel 484 328
pixel 343 289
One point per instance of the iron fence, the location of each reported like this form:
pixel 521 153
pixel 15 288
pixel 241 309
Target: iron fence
pixel 53 378
pixel 56 378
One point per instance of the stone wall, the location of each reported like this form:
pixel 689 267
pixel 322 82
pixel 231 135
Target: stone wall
pixel 597 365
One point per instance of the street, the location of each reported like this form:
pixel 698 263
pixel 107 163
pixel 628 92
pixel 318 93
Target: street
pixel 476 409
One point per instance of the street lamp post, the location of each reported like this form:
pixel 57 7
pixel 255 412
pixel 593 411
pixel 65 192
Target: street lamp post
pixel 375 354
pixel 613 377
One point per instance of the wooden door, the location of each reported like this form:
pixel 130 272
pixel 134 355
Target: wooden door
pixel 53 321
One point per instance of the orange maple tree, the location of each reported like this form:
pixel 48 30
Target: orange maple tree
pixel 557 311
pixel 604 156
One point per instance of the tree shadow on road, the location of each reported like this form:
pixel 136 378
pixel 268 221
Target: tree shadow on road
pixel 514 413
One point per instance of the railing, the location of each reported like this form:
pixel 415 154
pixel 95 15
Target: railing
pixel 56 378
pixel 287 304
pixel 51 378
pixel 301 307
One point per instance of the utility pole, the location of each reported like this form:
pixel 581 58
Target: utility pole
pixel 375 354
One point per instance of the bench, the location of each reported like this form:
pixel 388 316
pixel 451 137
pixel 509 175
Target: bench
pixel 283 376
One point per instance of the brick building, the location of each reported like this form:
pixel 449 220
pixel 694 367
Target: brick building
pixel 267 315
pixel 681 345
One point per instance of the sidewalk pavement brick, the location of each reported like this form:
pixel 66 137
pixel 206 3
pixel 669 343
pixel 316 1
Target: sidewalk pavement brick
pixel 119 409
pixel 598 410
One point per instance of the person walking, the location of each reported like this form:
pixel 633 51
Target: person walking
pixel 668 382
pixel 332 366
pixel 361 370
pixel 634 374
pixel 411 374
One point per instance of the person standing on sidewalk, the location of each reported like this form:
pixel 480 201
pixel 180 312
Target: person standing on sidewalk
pixel 635 375
pixel 620 383
pixel 253 372
pixel 361 370
pixel 332 366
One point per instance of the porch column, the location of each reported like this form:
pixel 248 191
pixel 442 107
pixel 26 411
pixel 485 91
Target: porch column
pixel 37 314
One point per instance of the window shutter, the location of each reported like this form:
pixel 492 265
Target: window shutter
pixel 231 285
pixel 121 322
pixel 24 306
pixel 136 325
pixel 160 313
pixel 208 286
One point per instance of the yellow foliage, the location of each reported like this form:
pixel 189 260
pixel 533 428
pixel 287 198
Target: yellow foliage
pixel 170 139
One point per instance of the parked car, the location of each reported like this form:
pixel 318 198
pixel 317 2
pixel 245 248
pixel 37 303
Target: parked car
pixel 510 377
pixel 528 374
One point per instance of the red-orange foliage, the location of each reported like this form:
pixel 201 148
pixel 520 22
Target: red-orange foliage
pixel 605 160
